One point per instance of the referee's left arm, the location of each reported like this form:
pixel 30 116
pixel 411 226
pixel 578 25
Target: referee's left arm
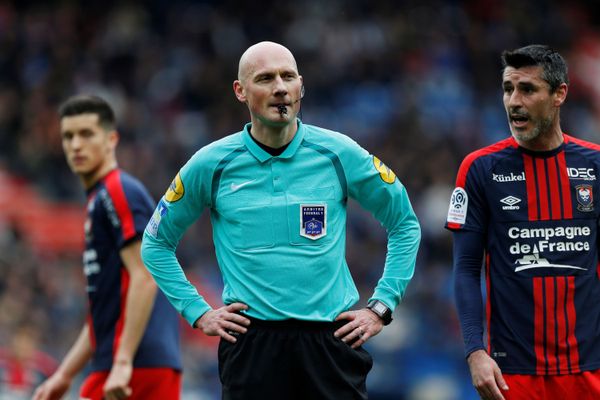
pixel 379 191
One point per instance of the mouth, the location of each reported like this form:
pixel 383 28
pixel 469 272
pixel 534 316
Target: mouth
pixel 281 108
pixel 519 120
pixel 78 160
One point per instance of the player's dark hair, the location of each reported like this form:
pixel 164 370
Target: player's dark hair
pixel 554 67
pixel 88 104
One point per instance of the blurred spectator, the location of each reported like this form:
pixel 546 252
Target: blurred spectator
pixel 23 365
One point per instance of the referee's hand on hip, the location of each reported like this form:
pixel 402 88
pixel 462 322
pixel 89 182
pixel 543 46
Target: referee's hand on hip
pixel 224 321
pixel 362 324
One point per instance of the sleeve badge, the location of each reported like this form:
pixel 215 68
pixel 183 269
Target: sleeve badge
pixel 459 202
pixel 386 174
pixel 175 190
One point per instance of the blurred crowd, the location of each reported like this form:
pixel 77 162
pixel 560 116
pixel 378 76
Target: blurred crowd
pixel 415 82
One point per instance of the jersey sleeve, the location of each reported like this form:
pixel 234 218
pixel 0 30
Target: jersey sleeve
pixel 467 218
pixel 128 207
pixel 468 253
pixel 378 190
pixel 468 210
pixel 186 198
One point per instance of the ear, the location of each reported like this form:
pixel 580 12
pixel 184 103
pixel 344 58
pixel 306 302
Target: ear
pixel 113 139
pixel 560 95
pixel 239 91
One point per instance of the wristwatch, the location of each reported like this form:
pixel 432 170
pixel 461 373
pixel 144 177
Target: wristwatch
pixel 381 310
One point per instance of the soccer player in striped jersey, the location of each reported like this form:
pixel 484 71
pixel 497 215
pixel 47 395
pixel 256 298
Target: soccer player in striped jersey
pixel 527 206
pixel 277 193
pixel 132 334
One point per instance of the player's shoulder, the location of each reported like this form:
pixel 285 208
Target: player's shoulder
pixel 587 148
pixel 213 153
pixel 129 180
pixel 332 140
pixel 120 181
pixel 490 153
pixel 493 150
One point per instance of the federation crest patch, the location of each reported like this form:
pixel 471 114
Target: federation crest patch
pixel 313 221
pixel 585 198
pixel 386 174
pixel 175 190
pixel 159 212
pixel 459 202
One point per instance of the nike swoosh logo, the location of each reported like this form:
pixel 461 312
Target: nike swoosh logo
pixel 235 188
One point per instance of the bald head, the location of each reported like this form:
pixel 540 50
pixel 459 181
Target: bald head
pixel 257 55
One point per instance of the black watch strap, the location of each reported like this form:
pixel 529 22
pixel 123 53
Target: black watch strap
pixel 381 310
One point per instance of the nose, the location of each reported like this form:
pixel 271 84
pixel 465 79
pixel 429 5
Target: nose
pixel 279 87
pixel 514 99
pixel 76 142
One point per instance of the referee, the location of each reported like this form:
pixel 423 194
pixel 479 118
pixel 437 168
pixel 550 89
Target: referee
pixel 277 193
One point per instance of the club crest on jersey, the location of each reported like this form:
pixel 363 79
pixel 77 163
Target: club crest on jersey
pixel 386 174
pixel 585 198
pixel 175 190
pixel 313 221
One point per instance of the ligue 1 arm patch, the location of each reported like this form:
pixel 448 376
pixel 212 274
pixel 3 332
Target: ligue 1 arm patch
pixel 386 174
pixel 175 190
pixel 313 220
pixel 459 202
pixel 153 224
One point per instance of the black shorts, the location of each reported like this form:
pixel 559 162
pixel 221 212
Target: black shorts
pixel 292 360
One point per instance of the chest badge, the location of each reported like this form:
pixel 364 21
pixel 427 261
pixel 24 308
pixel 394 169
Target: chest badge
pixel 313 221
pixel 585 198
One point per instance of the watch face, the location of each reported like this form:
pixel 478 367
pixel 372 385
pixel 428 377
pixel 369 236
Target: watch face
pixel 380 308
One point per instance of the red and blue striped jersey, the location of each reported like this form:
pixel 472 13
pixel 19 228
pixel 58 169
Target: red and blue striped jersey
pixel 118 209
pixel 538 213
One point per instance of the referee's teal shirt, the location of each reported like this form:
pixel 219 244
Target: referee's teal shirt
pixel 279 225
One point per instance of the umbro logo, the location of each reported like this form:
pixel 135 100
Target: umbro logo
pixel 511 203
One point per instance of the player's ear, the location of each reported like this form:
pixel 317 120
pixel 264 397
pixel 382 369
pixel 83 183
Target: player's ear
pixel 113 139
pixel 239 90
pixel 560 94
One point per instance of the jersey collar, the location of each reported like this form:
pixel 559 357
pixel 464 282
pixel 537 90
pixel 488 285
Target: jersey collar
pixel 262 155
pixel 545 153
pixel 100 181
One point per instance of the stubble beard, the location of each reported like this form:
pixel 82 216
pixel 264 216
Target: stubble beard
pixel 541 127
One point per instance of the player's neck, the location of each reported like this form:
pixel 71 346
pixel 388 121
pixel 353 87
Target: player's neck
pixel 274 136
pixel 547 141
pixel 91 178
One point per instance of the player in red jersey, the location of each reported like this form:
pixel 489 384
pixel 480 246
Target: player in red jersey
pixel 132 334
pixel 526 205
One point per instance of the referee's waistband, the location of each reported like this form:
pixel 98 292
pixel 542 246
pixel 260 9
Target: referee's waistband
pixel 295 324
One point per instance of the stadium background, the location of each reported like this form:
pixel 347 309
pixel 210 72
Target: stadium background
pixel 417 83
